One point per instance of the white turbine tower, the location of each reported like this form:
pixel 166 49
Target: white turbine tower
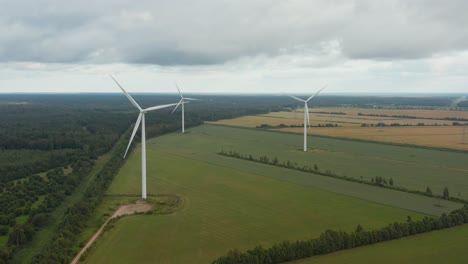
pixel 140 119
pixel 183 101
pixel 306 113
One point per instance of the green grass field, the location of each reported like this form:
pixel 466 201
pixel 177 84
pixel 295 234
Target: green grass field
pixel 445 246
pixel 413 168
pixel 230 203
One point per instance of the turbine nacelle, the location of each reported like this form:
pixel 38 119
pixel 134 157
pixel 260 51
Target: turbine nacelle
pixel 183 100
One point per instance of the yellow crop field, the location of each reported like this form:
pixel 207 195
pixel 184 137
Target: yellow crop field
pixel 442 136
pixel 296 118
pixel 352 120
pixel 434 133
pixel 438 114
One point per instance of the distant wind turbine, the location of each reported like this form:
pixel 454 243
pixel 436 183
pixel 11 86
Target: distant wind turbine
pixel 306 113
pixel 183 101
pixel 140 119
pixel 465 135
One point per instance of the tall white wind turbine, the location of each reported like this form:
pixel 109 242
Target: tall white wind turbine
pixel 140 119
pixel 306 113
pixel 183 101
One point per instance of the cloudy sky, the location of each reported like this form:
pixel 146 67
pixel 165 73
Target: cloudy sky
pixel 234 46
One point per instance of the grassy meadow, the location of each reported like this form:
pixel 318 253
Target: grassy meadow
pixel 230 203
pixel 444 246
pixel 413 168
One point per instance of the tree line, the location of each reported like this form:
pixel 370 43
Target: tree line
pixel 332 241
pixel 415 117
pixel 267 126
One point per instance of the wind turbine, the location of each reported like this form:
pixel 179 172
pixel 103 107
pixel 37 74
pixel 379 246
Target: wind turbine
pixel 465 135
pixel 306 113
pixel 140 119
pixel 183 101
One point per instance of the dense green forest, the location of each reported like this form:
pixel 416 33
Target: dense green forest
pixel 50 142
pixel 463 104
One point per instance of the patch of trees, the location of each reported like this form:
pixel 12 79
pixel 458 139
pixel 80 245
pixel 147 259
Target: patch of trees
pixel 380 124
pixel 381 181
pixel 267 126
pixel 383 115
pixel 62 247
pixel 415 117
pixel 459 124
pixel 332 241
pixel 375 181
pixel 21 163
pixel 329 113
pixel 36 197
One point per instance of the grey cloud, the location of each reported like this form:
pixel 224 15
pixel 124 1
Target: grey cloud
pixel 214 32
pixel 407 30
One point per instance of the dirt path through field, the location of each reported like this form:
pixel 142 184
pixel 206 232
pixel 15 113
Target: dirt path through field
pixel 139 207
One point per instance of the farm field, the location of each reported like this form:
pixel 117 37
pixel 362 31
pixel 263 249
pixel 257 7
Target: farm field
pixel 422 113
pixel 297 118
pixel 230 203
pixel 444 246
pixel 439 137
pixel 353 117
pixel 413 168
pixel 354 126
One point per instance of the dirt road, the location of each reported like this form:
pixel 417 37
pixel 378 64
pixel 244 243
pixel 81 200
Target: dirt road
pixel 139 207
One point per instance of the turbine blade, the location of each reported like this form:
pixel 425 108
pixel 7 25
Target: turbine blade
pixel 294 97
pixel 177 105
pixel 179 90
pixel 316 93
pixel 137 124
pixel 158 107
pixel 191 99
pixel 134 103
